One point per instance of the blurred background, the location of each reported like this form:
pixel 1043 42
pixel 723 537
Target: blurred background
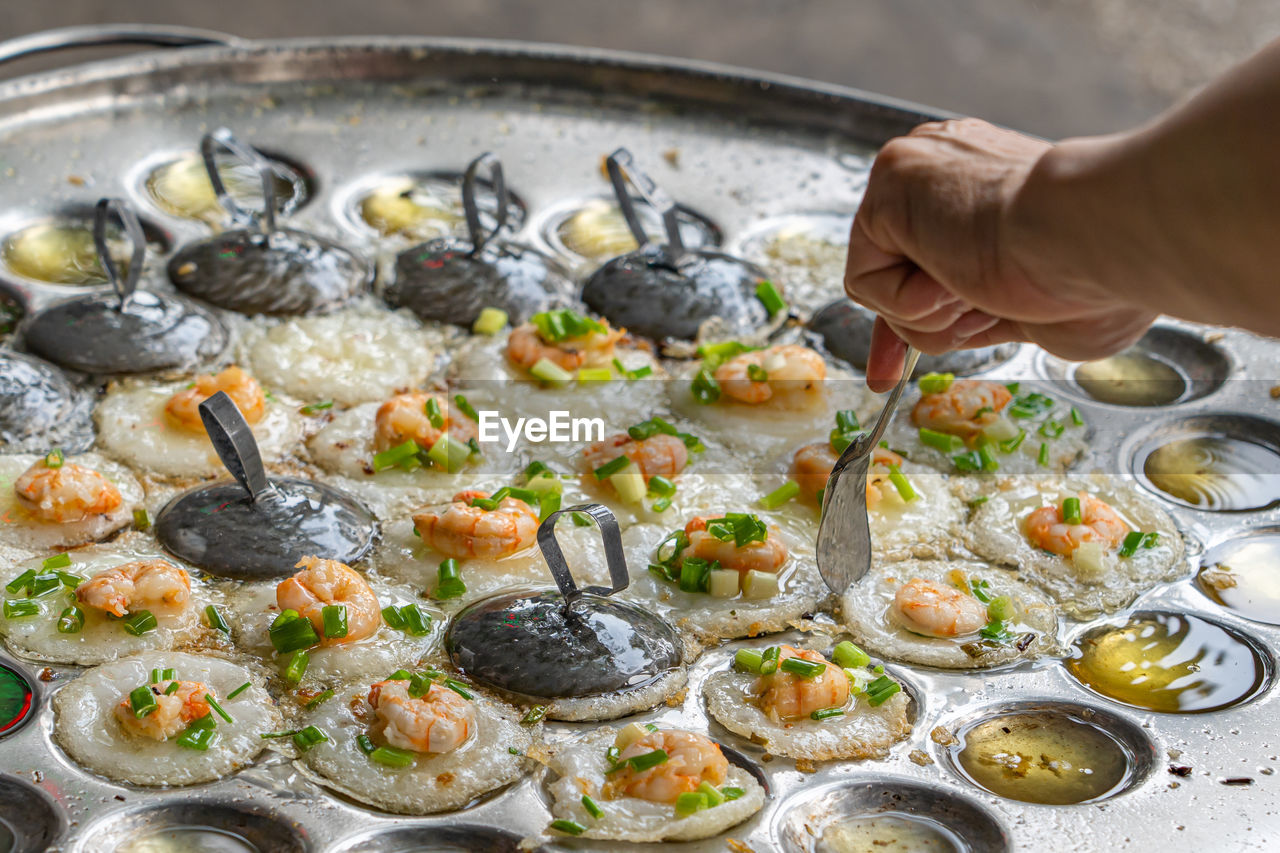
pixel 1053 67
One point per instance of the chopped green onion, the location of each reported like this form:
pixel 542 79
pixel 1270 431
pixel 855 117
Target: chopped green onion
pixel 714 797
pixel 139 623
pixel 594 374
pixel 466 408
pixel 1030 405
pixel 434 415
pixel 213 703
pixel 611 467
pixel 564 323
pixel 732 793
pixel 826 713
pixel 390 756
pixel 979 501
pixel 199 735
pixel 394 456
pixel 407 618
pixel 1009 445
pixel 312 408
pixel 1136 539
pixel 639 373
pixel 995 631
pixel 1071 510
pixel 55 458
pixel 981 589
pixel 849 656
pixel 448 453
pixel 661 486
pixel 1051 429
pixel 534 715
pixel 277 735
pixel 694 574
pixel 242 688
pixel 705 388
pixel 44 583
pixel 935 383
pixel 769 660
pixel 297 667
pixel 944 441
pixel 739 527
pixel 172 688
pixel 1000 608
pixel 879 691
pixel 448 580
pixel 641 762
pixel 458 687
pixel 901 483
pixel 747 660
pixel 489 321
pixel 568 827
pixel 967 462
pixel 71 621
pixel 690 802
pixel 1042 458
pixel 58 561
pixel 289 632
pixel 1013 387
pixel 215 619
pixel 546 370
pixel 987 458
pixel 142 701
pixel 69 580
pixel 803 668
pixel 309 737
pixel 756 373
pixel 770 298
pixel 787 491
pixel 334 619
pixel 548 503
pixel 592 807
pixel 21 583
pixel 581 519
pixel 1076 418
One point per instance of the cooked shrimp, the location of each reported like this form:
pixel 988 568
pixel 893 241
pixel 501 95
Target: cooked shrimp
pixel 766 556
pixel 404 418
pixel 525 347
pixel 326 582
pixel 137 585
pixel 183 408
pixel 1098 523
pixel 438 721
pixel 785 696
pixel 793 376
pixel 691 760
pixel 658 455
pixel 963 409
pixel 936 610
pixel 67 494
pixel 812 464
pixel 463 530
pixel 175 712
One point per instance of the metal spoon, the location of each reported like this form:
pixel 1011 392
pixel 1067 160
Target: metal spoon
pixel 844 537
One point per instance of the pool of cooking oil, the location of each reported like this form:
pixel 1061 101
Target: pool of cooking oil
pixel 188 839
pixel 1244 576
pixel 888 832
pixel 1215 472
pixel 1172 663
pixel 182 188
pixel 419 208
pixel 1043 756
pixel 1131 378
pixel 598 231
pixel 59 254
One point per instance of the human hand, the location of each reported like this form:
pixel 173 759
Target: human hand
pixel 954 247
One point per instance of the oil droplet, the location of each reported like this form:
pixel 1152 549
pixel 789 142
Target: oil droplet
pixel 1131 379
pixel 1052 757
pixel 1244 576
pixel 1215 472
pixel 888 831
pixel 188 839
pixel 1169 662
pixel 182 188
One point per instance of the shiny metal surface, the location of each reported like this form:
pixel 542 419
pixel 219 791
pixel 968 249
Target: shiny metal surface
pixel 747 147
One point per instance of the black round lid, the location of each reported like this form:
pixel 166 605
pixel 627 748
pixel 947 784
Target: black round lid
pixel 128 330
pixel 669 291
pixel 255 528
pixel 40 409
pixel 257 268
pixel 568 642
pixel 453 280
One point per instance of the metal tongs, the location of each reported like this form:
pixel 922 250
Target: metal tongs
pixel 844 536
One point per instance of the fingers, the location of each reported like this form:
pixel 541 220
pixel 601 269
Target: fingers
pixel 890 285
pixel 886 358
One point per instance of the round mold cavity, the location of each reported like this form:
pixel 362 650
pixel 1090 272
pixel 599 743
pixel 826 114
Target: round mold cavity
pixel 888 814
pixel 1018 750
pixel 612 236
pixel 846 332
pixel 805 253
pixel 1216 462
pixel 434 839
pixel 1171 663
pixel 292 173
pixel 30 822
pixel 1242 575
pixel 1166 367
pixel 442 189
pixel 190 824
pixel 27 245
pixel 19 698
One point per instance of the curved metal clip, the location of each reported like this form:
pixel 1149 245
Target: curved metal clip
pixel 125 285
pixel 614 556
pixel 234 442
pixel 623 171
pixel 472 210
pixel 222 140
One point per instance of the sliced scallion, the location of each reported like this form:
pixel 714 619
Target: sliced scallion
pixel 779 496
pixel 448 580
